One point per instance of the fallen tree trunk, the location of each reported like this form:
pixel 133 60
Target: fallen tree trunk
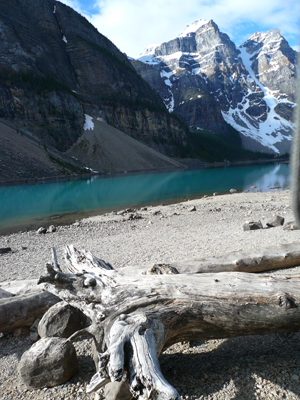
pixel 24 309
pixel 259 260
pixel 16 288
pixel 284 256
pixel 133 318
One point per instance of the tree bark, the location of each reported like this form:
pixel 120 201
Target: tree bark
pixel 24 309
pixel 135 317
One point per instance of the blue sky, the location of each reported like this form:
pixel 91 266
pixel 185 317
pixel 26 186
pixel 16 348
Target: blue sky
pixel 132 25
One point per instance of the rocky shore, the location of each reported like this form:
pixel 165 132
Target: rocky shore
pixel 243 368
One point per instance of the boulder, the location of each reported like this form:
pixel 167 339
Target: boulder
pixel 233 191
pixel 61 320
pixel 277 220
pixel 49 362
pixel 251 225
pixel 52 228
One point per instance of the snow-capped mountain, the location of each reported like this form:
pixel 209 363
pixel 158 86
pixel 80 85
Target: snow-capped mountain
pixel 204 78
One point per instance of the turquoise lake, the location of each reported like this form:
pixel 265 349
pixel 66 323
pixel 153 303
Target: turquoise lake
pixel 29 206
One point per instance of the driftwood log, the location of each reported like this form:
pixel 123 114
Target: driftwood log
pixel 266 259
pixel 22 302
pixel 133 318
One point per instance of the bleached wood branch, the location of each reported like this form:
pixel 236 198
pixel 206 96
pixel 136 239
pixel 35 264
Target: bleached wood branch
pixel 135 317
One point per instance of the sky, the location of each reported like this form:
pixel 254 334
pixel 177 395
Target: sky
pixel 132 25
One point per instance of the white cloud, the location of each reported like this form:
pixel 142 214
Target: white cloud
pixel 134 24
pixel 75 4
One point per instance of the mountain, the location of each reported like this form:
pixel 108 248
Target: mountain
pixel 204 78
pixel 56 73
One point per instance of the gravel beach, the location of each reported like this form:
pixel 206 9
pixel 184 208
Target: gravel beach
pixel 243 368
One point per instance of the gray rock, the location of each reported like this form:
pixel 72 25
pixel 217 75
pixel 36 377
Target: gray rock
pixel 34 336
pixel 49 362
pixel 42 230
pixel 233 191
pixel 276 221
pixel 132 216
pixel 117 390
pixel 5 250
pixel 157 212
pixel 162 269
pixel 193 208
pixel 52 228
pixel 61 320
pixel 34 326
pixel 251 226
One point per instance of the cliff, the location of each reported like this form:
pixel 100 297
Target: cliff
pixel 56 69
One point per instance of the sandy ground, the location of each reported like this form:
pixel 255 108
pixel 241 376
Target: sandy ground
pixel 197 228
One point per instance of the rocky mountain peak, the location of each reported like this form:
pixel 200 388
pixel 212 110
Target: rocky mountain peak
pixel 191 30
pixel 252 87
pixel 269 43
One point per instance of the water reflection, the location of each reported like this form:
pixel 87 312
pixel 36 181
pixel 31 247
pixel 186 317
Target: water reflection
pixel 19 203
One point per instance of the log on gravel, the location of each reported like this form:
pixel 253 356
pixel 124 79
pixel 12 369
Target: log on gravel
pixel 133 318
pixel 24 309
pixel 259 260
pixel 15 288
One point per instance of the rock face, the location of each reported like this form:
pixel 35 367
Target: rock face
pixel 204 78
pixel 57 71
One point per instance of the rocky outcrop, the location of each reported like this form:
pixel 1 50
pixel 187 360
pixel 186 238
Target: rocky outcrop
pixel 56 68
pixel 205 79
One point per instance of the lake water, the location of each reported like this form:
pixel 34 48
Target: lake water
pixel 24 207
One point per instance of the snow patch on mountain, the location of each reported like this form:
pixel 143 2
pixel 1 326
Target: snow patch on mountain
pixel 193 27
pixel 89 124
pixel 269 132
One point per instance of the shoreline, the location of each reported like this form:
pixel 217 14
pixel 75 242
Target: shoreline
pixel 247 368
pixel 60 220
pixel 188 166
pixel 204 221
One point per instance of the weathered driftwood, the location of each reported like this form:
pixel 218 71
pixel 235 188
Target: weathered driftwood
pixel 259 260
pixel 22 302
pixel 133 318
pixel 24 309
pixel 17 288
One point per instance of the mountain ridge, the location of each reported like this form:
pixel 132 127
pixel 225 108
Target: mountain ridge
pixel 252 86
pixel 56 68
